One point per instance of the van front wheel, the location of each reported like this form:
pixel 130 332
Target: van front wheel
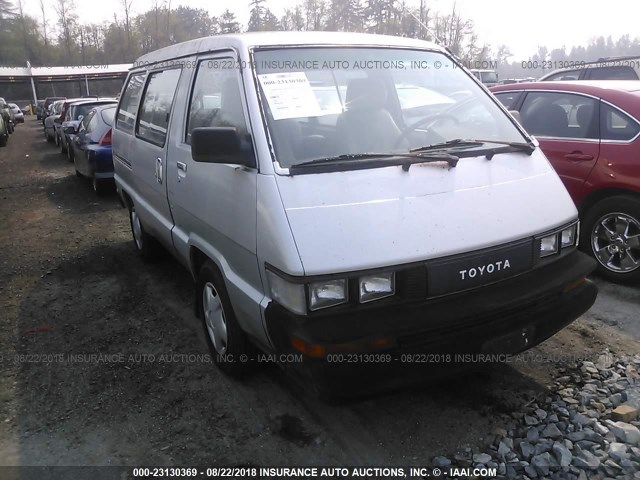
pixel 611 234
pixel 228 344
pixel 145 244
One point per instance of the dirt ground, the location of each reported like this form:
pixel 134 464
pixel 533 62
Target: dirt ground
pixel 71 285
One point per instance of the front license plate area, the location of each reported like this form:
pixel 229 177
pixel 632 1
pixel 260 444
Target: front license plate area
pixel 463 272
pixel 512 342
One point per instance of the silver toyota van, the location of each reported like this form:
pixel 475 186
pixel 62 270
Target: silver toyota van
pixel 336 193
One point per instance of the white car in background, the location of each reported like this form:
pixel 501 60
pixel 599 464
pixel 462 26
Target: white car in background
pixel 49 121
pixel 16 113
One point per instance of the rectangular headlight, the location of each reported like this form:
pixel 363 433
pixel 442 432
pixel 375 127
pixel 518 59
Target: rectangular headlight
pixel 568 237
pixel 548 245
pixel 375 287
pixel 289 295
pixel 327 293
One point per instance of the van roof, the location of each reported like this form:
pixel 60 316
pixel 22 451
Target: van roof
pixel 245 41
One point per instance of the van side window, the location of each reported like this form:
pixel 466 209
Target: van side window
pixel 126 117
pixel 216 100
pixel 153 119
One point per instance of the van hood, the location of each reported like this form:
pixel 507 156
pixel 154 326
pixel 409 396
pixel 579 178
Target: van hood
pixel 355 220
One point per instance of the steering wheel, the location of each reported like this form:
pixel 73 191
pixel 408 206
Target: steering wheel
pixel 427 121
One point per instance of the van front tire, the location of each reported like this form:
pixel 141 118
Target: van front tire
pixel 230 347
pixel 611 234
pixel 145 244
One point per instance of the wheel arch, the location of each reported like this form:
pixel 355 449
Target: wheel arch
pixel 594 197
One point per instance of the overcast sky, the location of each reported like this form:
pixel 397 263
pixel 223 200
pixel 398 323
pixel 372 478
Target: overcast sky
pixel 522 25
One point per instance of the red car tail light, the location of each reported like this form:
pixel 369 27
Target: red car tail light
pixel 106 139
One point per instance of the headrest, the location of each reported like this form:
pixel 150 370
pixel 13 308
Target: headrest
pixel 365 93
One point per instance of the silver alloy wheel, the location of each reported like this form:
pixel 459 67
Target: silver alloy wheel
pixel 214 318
pixel 615 240
pixel 136 226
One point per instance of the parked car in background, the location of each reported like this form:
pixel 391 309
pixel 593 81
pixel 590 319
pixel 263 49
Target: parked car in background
pixel 5 112
pixel 4 132
pixel 18 116
pixel 590 132
pixel 39 109
pixel 488 77
pixel 53 113
pixel 91 148
pixel 47 103
pixel 509 81
pixel 611 68
pixel 74 114
pixel 58 134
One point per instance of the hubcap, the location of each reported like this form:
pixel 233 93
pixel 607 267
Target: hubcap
pixel 615 241
pixel 137 228
pixel 214 318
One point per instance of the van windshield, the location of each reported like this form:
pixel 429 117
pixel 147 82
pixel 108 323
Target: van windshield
pixel 325 102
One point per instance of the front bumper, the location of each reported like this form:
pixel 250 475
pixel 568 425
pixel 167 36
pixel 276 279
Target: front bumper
pixel 507 317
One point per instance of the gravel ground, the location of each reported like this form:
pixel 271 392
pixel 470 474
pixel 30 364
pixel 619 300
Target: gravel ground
pixel 71 286
pixel 585 428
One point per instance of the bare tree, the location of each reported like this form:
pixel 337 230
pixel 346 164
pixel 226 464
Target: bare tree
pixel 169 35
pixel 126 5
pixel 45 24
pixel 67 20
pixel 23 27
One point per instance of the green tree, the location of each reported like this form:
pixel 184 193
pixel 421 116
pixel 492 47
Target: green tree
pixel 256 16
pixel 345 15
pixel 228 22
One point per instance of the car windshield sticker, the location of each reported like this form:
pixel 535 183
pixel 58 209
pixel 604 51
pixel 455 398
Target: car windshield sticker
pixel 289 95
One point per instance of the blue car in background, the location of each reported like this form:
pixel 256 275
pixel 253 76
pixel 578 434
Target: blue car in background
pixel 92 148
pixel 72 114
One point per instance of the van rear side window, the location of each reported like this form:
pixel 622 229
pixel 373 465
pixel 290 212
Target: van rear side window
pixel 157 100
pixel 126 118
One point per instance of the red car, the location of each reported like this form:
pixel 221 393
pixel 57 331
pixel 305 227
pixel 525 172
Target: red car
pixel 590 132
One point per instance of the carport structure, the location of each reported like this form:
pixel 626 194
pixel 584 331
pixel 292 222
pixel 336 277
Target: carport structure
pixel 28 84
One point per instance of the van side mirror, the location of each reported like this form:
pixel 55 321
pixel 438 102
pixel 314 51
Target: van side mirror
pixel 220 145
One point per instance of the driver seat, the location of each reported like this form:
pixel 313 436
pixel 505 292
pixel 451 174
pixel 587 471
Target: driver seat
pixel 366 126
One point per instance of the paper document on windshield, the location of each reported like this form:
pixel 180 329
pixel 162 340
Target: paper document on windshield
pixel 289 95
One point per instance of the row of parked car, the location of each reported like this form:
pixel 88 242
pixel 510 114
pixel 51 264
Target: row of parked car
pixel 81 129
pixel 10 116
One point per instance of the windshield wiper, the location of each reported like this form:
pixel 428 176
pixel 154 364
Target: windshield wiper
pixel 456 142
pixel 356 161
pixel 527 147
pixel 462 143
